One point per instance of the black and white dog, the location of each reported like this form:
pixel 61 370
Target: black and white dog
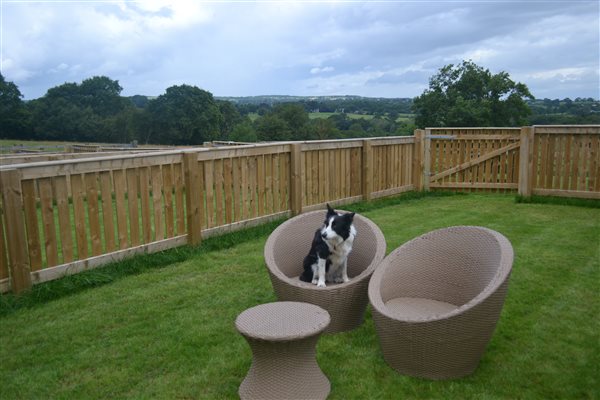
pixel 328 256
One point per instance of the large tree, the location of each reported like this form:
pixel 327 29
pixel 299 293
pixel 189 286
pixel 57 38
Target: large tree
pixel 469 95
pixel 14 117
pixel 184 115
pixel 90 111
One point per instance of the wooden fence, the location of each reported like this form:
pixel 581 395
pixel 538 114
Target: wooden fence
pixel 63 217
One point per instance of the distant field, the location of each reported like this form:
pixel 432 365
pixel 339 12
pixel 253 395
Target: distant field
pixel 401 117
pixel 7 144
pixel 329 114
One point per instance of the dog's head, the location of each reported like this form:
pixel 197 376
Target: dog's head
pixel 337 227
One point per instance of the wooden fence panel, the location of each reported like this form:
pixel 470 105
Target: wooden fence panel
pixel 228 188
pixel 566 161
pixel 482 160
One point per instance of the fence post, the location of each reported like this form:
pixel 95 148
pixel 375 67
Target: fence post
pixel 526 161
pixel 296 178
pixel 367 170
pixel 18 259
pixel 418 159
pixel 194 199
pixel 426 154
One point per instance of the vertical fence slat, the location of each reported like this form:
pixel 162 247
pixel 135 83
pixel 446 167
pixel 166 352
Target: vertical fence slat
pixel 236 173
pixel 296 179
pixel 119 184
pixel 132 202
pixel 145 204
pixel 210 193
pixel 78 193
pixel 595 172
pixel 367 170
pixel 253 186
pixel 228 187
pixel 91 184
pixel 107 211
pixel 261 184
pixel 167 171
pixel 179 197
pixel 268 184
pixel 575 148
pixel 64 218
pixel 218 182
pixel 31 223
pixel 157 202
pixel 194 199
pixel 47 209
pixel 284 179
pixel 3 248
pixel 18 260
pixel 244 164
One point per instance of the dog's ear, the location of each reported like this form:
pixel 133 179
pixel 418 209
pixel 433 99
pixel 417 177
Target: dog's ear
pixel 330 210
pixel 350 216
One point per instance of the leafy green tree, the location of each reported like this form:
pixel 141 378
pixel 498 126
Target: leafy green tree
pixel 90 111
pixel 295 116
pixel 322 129
pixel 243 132
pixel 231 118
pixel 272 127
pixel 14 117
pixel 469 95
pixel 184 115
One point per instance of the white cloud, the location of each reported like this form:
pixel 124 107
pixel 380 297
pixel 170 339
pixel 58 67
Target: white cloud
pixel 317 70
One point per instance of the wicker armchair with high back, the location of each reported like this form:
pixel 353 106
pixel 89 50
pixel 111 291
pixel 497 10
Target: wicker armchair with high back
pixel 290 242
pixel 437 298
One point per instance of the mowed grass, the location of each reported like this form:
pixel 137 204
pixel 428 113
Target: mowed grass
pixel 169 332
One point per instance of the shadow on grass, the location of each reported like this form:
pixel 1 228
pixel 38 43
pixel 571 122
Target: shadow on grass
pixel 71 284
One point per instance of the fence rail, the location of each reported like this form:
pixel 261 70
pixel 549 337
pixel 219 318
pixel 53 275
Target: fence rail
pixel 63 217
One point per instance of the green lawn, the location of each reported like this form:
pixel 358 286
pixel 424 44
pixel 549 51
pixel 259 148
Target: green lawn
pixel 169 332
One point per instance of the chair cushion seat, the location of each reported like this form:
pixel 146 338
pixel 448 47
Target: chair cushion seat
pixel 413 308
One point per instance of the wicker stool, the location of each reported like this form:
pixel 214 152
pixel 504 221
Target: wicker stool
pixel 283 338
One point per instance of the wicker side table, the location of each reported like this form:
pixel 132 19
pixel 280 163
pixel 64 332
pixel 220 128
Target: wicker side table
pixel 283 338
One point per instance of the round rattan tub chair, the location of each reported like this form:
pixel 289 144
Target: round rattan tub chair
pixel 437 298
pixel 290 242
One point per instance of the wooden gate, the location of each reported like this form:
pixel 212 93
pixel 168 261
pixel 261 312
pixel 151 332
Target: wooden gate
pixel 472 158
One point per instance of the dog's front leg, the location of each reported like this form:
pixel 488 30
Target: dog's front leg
pixel 321 272
pixel 345 271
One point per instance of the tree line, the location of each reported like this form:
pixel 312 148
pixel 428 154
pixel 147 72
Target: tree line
pixel 94 111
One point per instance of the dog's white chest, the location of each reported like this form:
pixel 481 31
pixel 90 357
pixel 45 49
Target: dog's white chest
pixel 339 252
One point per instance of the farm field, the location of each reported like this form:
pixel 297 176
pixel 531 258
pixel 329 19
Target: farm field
pixel 166 329
pixel 7 144
pixel 313 115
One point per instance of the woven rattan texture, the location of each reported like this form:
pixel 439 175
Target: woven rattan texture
pixel 282 320
pixel 283 338
pixel 286 248
pixel 462 274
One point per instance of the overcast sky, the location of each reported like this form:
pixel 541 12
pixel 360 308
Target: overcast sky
pixel 239 48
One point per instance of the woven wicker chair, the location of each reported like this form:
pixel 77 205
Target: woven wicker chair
pixel 286 248
pixel 437 298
